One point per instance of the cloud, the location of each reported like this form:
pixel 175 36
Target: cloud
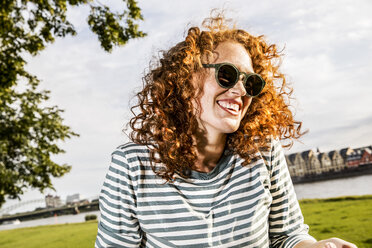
pixel 341 135
pixel 327 57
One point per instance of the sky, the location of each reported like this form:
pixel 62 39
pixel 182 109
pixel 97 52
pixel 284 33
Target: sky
pixel 327 58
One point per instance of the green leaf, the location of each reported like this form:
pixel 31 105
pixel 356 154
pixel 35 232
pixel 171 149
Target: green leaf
pixel 30 131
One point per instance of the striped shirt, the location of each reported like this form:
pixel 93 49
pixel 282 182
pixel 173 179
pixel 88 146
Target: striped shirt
pixel 231 206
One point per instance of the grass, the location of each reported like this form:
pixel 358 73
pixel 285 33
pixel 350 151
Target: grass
pixel 349 218
pixel 79 235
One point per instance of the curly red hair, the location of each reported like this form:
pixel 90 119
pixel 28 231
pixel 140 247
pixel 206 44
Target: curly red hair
pixel 166 121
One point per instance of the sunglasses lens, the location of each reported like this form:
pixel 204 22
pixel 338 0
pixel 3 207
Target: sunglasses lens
pixel 227 76
pixel 254 85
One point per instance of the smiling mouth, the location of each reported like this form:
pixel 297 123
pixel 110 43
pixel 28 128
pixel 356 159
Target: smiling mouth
pixel 231 107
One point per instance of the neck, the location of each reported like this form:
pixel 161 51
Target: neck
pixel 209 149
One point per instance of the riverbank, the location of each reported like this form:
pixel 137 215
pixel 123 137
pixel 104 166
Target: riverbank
pixel 49 212
pixel 349 218
pixel 347 173
pixel 55 220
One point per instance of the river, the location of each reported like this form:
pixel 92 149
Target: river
pixel 50 221
pixel 361 185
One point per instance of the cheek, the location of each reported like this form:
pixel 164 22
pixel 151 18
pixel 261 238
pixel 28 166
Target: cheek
pixel 207 97
pixel 198 101
pixel 201 103
pixel 246 102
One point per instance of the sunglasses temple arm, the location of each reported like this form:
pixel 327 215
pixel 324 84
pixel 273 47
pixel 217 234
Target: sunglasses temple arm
pixel 209 66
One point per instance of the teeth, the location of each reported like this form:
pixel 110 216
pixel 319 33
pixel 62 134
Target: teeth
pixel 229 105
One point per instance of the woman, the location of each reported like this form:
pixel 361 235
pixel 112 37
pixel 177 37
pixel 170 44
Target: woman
pixel 205 168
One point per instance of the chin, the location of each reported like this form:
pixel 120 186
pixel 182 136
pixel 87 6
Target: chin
pixel 230 130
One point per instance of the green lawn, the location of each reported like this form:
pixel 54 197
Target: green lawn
pixel 349 218
pixel 79 235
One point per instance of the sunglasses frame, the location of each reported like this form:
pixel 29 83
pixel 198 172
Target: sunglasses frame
pixel 246 76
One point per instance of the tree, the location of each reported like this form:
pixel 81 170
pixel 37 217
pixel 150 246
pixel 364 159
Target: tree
pixel 29 130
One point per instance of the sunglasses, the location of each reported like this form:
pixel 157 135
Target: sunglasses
pixel 227 75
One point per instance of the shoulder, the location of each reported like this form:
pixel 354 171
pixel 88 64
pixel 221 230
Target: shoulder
pixel 130 157
pixel 272 145
pixel 276 147
pixel 131 149
pixel 272 151
pixel 268 149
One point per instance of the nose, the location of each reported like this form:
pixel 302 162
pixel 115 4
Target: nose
pixel 239 88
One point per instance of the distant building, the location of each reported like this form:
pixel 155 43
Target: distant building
pixel 73 198
pixel 296 165
pixel 53 201
pixel 354 159
pixel 312 162
pixel 366 156
pixel 345 153
pixel 325 161
pixel 338 162
pixel 315 163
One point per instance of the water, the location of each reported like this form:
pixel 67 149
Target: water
pixel 361 185
pixel 63 219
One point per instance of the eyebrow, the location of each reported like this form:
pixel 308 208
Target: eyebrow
pixel 245 69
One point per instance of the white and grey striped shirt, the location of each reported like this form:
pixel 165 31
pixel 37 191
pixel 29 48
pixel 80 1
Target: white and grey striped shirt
pixel 231 206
